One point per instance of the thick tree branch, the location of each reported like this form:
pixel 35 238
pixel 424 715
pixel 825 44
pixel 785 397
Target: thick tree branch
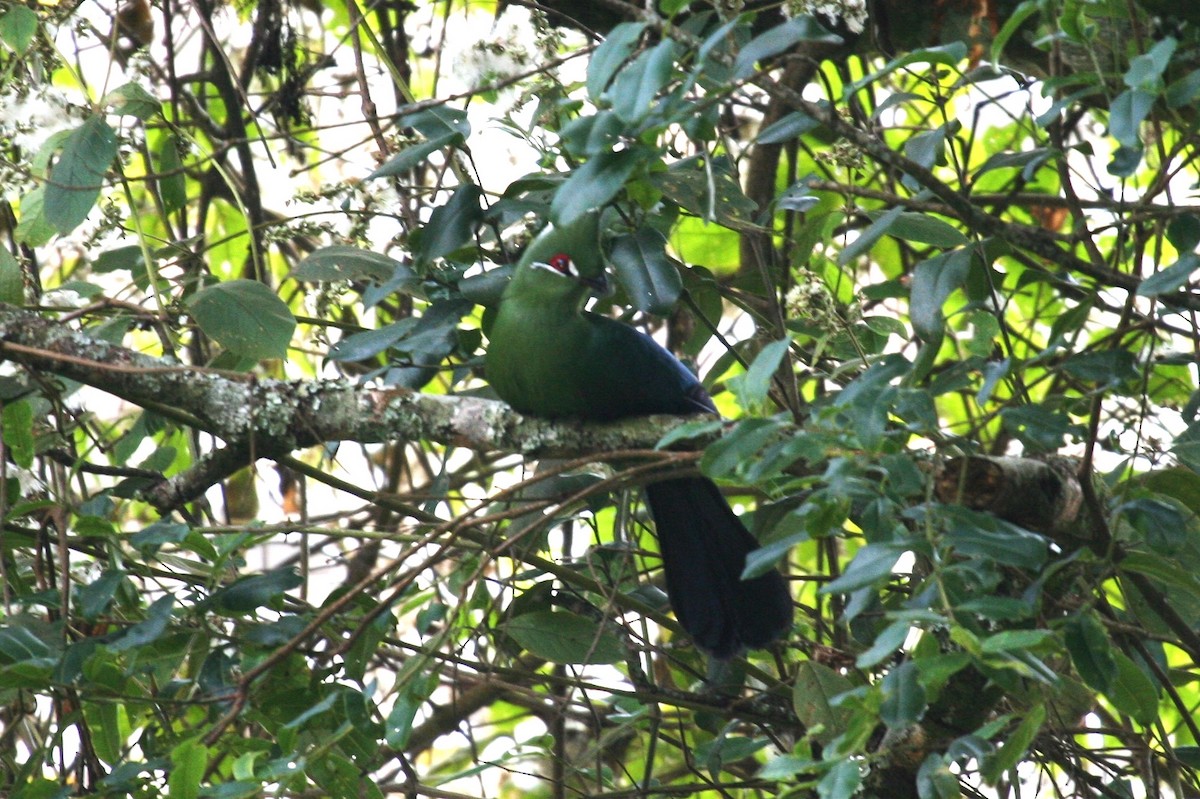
pixel 269 418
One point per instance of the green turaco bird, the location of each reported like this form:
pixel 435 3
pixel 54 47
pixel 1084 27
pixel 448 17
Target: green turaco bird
pixel 548 357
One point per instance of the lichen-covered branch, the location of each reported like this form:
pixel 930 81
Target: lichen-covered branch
pixel 269 418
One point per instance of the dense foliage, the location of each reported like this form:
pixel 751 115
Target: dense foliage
pixel 264 532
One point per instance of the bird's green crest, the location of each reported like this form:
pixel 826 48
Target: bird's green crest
pixel 579 241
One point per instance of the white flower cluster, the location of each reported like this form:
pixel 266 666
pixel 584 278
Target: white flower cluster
pixel 852 12
pixel 33 116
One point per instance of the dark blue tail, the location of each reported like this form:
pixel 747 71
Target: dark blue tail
pixel 704 546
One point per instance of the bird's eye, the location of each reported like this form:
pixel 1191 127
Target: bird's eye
pixel 562 264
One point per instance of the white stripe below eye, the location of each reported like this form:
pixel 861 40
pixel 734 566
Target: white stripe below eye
pixel 549 268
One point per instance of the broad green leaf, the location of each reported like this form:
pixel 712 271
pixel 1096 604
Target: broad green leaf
pixel 1015 748
pixel 634 89
pixel 104 722
pixel 775 40
pixel 75 181
pixel 17 419
pixel 12 283
pixel 935 780
pixel 157 534
pixel 1184 91
pixel 1091 651
pixel 438 121
pixel 593 185
pixel 866 240
pixel 933 282
pixel 189 759
pixel 1129 109
pixel 94 598
pixel 725 455
pixel 815 687
pixel 250 593
pixel 245 317
pixel 1107 367
pixel 1041 428
pixel 1028 160
pixel 611 55
pixel 1170 279
pixel 842 781
pixel 753 386
pixel 410 157
pixel 18 26
pixel 1146 70
pixel 133 100
pixel 871 564
pixel 343 262
pixel 886 642
pixel 369 343
pixel 1183 232
pixel 565 637
pixel 790 127
pixel 158 616
pixel 172 184
pixel 949 55
pixel 926 229
pixel 973 533
pixel 1133 693
pixel 648 275
pixel 1162 525
pixel 451 225
pixel 904 699
pixel 1012 23
pixel 709 193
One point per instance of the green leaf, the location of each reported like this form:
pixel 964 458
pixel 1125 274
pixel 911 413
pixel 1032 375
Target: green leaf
pixel 815 688
pixel 172 184
pixel 1162 525
pixel 76 178
pixel 926 229
pixel 245 317
pixel 1041 428
pixel 12 283
pixel 1133 693
pixel 158 616
pixel 1129 109
pixel 95 598
pixel 866 240
pixel 189 759
pixel 753 386
pixel 842 781
pixel 1012 24
pixel 18 26
pixel 776 40
pixel 725 455
pixel 343 262
pixel 635 87
pixel 1091 651
pixel 1107 367
pixel 451 225
pixel 1184 91
pixel 438 121
pixel 1168 280
pixel 1014 749
pixel 648 275
pixel 711 194
pixel 933 282
pixel 612 53
pixel 1146 70
pixel 790 127
pixel 935 780
pixel 17 421
pixel 1183 232
pixel 410 157
pixel 871 564
pixel 904 700
pixel 369 343
pixel 593 185
pixel 886 642
pixel 250 593
pixel 133 100
pixel 973 533
pixel 565 637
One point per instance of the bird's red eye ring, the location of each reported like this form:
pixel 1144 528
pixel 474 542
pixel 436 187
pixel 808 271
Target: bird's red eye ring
pixel 561 263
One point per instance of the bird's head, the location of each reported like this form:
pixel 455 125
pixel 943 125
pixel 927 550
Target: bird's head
pixel 566 259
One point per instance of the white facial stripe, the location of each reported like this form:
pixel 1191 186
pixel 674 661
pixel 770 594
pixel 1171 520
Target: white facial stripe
pixel 548 267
